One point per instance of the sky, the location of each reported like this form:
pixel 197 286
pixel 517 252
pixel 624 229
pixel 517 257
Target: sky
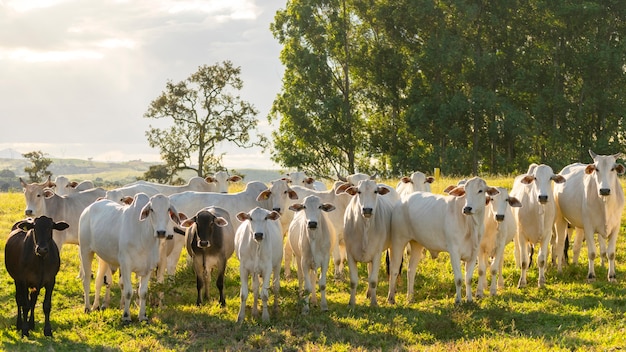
pixel 77 76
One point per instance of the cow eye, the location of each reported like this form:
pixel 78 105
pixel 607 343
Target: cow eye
pixel 480 191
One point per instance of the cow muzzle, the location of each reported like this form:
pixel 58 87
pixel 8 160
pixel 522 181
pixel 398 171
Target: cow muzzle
pixel 258 236
pixel 161 234
pixel 367 212
pixel 467 210
pixel 312 224
pixel 543 199
pixel 499 217
pixel 28 212
pixel 204 244
pixel 41 251
pixel 605 192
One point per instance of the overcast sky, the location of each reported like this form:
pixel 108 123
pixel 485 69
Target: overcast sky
pixel 76 76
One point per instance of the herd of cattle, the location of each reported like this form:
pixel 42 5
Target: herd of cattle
pixel 143 227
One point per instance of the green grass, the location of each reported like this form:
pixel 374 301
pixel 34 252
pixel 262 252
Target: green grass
pixel 569 314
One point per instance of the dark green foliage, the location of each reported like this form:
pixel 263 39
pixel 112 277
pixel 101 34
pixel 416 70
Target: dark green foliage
pixel 39 168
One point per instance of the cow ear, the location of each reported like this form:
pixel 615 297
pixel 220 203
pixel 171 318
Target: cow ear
pixel 488 200
pixel 457 191
pixel 352 190
pixel 619 168
pixel 220 221
pixel 145 212
pixel 235 178
pixel 264 195
pixel 60 226
pixel 292 194
pixel 188 222
pixel 48 193
pixel 210 179
pixel 25 225
pixel 558 178
pixel 429 179
pixel 243 216
pixel 297 207
pixel 327 207
pixel 342 188
pixel 590 169
pixel 127 200
pixel 514 202
pixel 274 215
pixel 448 189
pixel 492 191
pixel 405 179
pixel 383 190
pixel 174 215
pixel 528 179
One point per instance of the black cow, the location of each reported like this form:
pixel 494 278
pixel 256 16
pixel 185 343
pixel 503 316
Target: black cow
pixel 210 242
pixel 32 259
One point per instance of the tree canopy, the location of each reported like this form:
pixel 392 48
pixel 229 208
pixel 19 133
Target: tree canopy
pixel 470 87
pixel 206 110
pixel 39 166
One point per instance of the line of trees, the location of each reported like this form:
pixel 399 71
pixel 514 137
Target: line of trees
pixel 473 86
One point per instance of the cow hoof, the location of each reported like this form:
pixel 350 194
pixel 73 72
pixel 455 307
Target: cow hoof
pixel 47 332
pixel 87 310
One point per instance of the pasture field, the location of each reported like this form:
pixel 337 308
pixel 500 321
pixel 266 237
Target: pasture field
pixel 569 314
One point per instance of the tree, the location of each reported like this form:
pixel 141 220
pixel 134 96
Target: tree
pixel 39 168
pixel 206 110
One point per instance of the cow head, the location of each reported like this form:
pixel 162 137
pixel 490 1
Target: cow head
pixel 278 194
pixel 160 212
pixel 313 207
pixel 366 193
pixel 35 193
pixel 498 203
pixel 257 221
pixel 541 178
pixel 604 172
pixel 476 192
pixel 206 228
pixel 222 179
pixel 40 229
pixel 419 181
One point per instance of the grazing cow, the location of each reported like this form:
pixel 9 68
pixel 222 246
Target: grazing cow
pixel 417 182
pixel 535 219
pixel 41 200
pixel 500 230
pixel 340 200
pixel 452 223
pixel 125 237
pixel 592 200
pixel 259 244
pixel 195 183
pixel 221 180
pixel 300 178
pixel 311 237
pixel 32 259
pixel 210 242
pixel 367 232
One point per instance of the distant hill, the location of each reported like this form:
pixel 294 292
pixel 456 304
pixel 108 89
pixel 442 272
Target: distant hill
pixel 10 154
pixel 109 174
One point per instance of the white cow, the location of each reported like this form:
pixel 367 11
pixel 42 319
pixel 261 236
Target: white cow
pixel 195 183
pixel 535 219
pixel 300 178
pixel 259 248
pixel 417 182
pixel 222 180
pixel 452 223
pixel 592 200
pixel 500 230
pixel 120 194
pixel 42 200
pixel 125 237
pixel 340 200
pixel 367 232
pixel 63 186
pixel 311 237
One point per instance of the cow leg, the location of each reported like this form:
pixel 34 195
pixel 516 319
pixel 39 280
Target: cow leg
pixel 220 281
pixel 373 279
pixel 103 269
pixel 482 274
pixel 602 245
pixel 127 291
pixel 591 254
pixel 47 307
pixel 207 282
pixel 143 292
pixel 34 294
pixel 455 260
pixel 578 243
pixel 322 285
pixel 558 249
pixel 288 255
pixel 522 246
pixel 497 281
pixel 21 298
pixel 86 257
pixel 470 265
pixel 307 275
pixel 336 253
pixel 255 294
pixel 243 293
pixel 416 256
pixel 394 270
pixel 276 285
pixel 265 295
pixel 354 279
pixel 542 258
pixel 107 281
pixel 611 254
